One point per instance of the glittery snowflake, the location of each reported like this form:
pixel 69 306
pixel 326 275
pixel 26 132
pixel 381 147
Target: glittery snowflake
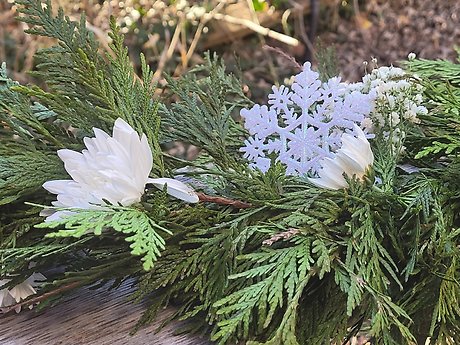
pixel 303 123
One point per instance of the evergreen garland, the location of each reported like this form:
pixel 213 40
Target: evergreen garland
pixel 265 258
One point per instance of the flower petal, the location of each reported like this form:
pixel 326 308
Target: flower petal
pixel 6 299
pixel 353 158
pixel 327 183
pixel 122 132
pixel 176 189
pixel 22 291
pixel 58 186
pixel 349 164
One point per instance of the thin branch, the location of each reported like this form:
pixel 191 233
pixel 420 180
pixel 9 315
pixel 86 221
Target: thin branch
pixel 303 34
pixel 289 59
pixel 175 39
pixel 256 28
pixel 168 52
pixel 203 21
pixel 40 298
pixel 255 19
pixel 223 201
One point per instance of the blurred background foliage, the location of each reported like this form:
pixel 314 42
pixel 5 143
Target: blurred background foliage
pixel 255 37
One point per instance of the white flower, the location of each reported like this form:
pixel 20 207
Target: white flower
pixel 5 297
pixel 354 158
pixel 115 169
pixel 394 118
pixel 21 291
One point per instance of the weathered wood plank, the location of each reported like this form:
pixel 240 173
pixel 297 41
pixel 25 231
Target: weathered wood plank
pixel 93 317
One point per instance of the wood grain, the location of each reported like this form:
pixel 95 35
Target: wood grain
pixel 93 317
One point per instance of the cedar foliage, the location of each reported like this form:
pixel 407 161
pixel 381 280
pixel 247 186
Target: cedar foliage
pixel 300 266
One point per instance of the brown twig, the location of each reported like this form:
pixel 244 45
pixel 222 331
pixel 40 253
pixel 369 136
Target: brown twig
pixel 256 28
pixel 203 21
pixel 289 59
pixel 168 51
pixel 285 235
pixel 40 298
pixel 223 201
pixel 305 37
pixel 255 19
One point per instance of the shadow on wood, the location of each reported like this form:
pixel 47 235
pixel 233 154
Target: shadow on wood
pixel 93 317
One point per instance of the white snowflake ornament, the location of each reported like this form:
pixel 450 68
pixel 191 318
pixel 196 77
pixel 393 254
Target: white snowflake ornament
pixel 303 123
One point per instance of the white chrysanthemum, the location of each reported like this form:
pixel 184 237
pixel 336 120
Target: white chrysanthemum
pixel 21 291
pixel 115 169
pixel 354 159
pixel 5 297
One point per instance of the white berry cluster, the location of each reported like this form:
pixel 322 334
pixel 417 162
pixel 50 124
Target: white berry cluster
pixel 398 102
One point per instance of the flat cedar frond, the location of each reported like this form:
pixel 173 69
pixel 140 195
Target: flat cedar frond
pixel 441 125
pixel 22 118
pixel 142 231
pixel 441 70
pixel 203 114
pixel 13 256
pixel 16 170
pixel 197 264
pixel 72 69
pixel 278 276
pixel 88 89
pixel 27 158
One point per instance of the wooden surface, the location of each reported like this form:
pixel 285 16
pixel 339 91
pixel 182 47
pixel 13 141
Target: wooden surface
pixel 94 317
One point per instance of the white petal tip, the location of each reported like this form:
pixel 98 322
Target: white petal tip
pixel 176 189
pixel 319 182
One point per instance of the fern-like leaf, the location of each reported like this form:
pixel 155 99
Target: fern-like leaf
pixel 142 230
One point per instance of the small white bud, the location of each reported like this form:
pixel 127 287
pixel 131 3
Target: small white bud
pixel 411 56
